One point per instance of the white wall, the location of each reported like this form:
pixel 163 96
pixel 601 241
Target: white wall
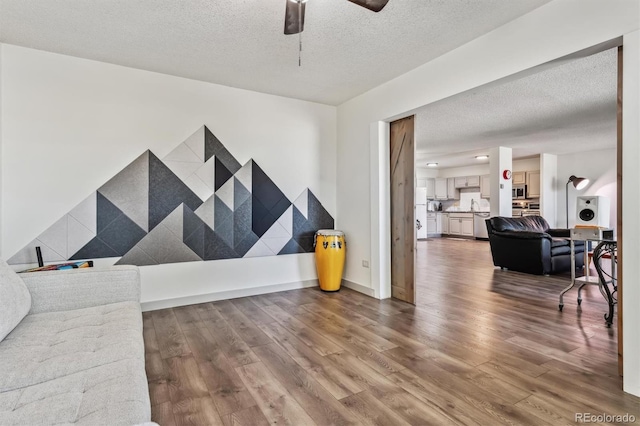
pixel 552 31
pixel 70 124
pixel 630 209
pixel 600 167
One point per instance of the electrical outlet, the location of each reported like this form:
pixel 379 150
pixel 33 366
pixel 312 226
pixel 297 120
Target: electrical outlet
pixel 365 263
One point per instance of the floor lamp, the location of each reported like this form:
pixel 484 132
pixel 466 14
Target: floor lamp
pixel 578 183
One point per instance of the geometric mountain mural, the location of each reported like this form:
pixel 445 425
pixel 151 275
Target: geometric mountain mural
pixel 197 203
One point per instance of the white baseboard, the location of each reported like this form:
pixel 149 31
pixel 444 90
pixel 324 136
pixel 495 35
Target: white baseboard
pixel 359 288
pixel 224 295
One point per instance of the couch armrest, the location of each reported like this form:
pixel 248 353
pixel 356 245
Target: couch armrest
pixel 524 235
pixel 559 232
pixel 81 288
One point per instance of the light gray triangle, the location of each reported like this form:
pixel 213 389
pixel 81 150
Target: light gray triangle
pixel 87 212
pixel 302 203
pixel 78 236
pixel 276 231
pixel 198 187
pixel 207 173
pixel 183 153
pixel 241 194
pixel 206 212
pixel 174 221
pixel 163 246
pixel 286 220
pixel 137 257
pixel 276 244
pixel 27 256
pixel 129 191
pixel 226 193
pixel 55 237
pixel 182 169
pixel 196 143
pixel 245 175
pixel 259 249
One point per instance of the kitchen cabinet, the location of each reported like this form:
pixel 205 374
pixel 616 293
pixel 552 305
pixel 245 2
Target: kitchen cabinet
pixel 431 223
pixel 467 181
pixel 452 192
pixel 519 178
pixel 485 186
pixel 444 223
pixel 431 189
pixel 441 189
pixel 533 184
pixel 461 224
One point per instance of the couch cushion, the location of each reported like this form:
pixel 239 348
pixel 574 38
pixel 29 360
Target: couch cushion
pixel 15 300
pixel 110 394
pixel 51 345
pixel 526 223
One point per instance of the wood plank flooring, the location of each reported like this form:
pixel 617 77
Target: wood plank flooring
pixel 482 346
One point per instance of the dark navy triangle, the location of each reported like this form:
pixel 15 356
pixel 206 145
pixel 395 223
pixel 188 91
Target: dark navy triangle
pixel 301 226
pixel 210 144
pixel 166 192
pixel 222 174
pixel 215 247
pixel 267 192
pixel 94 249
pixel 213 147
pixel 106 211
pixel 224 230
pixel 122 234
pixel 261 218
pixel 241 222
pixel 245 245
pixel 195 241
pixel 190 222
pixel 292 247
pixel 319 217
pixel 305 242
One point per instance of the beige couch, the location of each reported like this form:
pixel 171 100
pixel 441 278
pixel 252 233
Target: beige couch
pixel 71 348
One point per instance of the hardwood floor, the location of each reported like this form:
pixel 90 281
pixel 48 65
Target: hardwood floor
pixel 482 346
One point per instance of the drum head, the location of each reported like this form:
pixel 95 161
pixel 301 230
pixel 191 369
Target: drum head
pixel 330 233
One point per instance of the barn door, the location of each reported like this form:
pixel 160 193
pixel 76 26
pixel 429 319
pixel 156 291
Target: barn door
pixel 403 230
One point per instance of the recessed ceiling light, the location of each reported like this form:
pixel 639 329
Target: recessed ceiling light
pixel 432 164
pixel 481 157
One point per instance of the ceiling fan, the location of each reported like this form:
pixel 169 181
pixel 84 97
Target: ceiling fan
pixel 294 15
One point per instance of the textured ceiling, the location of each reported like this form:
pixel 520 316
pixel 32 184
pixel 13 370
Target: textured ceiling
pixel 567 108
pixel 347 49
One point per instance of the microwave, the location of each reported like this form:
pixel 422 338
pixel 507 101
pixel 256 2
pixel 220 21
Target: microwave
pixel 519 192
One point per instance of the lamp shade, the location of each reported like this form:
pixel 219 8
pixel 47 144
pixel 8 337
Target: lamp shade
pixel 578 182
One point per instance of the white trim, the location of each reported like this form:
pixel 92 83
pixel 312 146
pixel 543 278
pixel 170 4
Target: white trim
pixel 359 288
pixel 380 210
pixel 630 202
pixel 224 295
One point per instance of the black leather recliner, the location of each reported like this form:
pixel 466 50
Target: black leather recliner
pixel 527 244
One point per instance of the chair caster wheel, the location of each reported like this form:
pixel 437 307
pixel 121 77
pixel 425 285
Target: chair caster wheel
pixel 560 307
pixel 579 302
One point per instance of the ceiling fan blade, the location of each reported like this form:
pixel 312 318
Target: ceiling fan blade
pixel 375 5
pixel 292 24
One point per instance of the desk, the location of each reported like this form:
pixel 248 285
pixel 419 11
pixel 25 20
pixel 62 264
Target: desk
pixel 606 248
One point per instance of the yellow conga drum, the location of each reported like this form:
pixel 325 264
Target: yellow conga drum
pixel 330 250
